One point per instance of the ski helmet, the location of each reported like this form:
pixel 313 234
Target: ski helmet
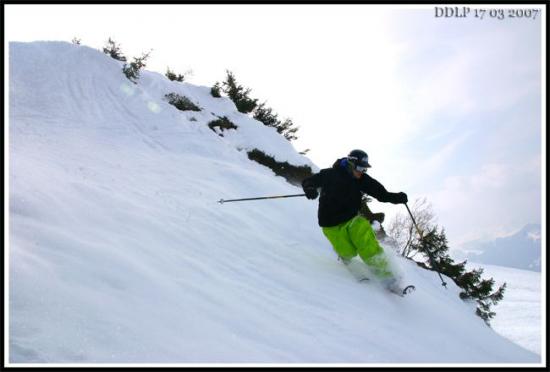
pixel 359 159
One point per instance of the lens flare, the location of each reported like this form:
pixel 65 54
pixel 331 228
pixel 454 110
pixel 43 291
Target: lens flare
pixel 153 107
pixel 128 89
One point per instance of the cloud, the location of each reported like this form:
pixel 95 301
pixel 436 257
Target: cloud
pixel 439 159
pixel 471 94
pixel 496 200
pixel 460 68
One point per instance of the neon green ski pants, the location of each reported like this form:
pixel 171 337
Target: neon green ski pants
pixel 356 237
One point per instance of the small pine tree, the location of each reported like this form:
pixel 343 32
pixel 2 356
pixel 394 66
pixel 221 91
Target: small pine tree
pixel 182 103
pixel 238 94
pixel 132 70
pixel 172 76
pixel 223 123
pixel 215 91
pixel 113 50
pixel 434 246
pixel 288 130
pixel 262 113
pixel 269 118
pixel 292 173
pixel 266 115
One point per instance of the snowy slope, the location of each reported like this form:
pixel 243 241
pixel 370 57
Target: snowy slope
pixel 119 252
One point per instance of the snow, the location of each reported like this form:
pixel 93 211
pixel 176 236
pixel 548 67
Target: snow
pixel 120 253
pixel 518 315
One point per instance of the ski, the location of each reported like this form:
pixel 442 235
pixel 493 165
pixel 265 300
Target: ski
pixel 409 289
pixel 405 291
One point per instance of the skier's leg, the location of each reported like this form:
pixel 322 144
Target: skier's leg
pixel 338 237
pixel 363 238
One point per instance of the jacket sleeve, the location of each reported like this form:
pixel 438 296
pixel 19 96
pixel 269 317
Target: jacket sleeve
pixel 314 181
pixel 375 189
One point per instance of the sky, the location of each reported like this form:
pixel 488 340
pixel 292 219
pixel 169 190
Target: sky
pixel 448 108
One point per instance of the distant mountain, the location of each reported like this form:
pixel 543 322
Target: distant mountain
pixel 521 250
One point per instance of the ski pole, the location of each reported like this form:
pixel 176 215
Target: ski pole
pixel 221 201
pixel 427 250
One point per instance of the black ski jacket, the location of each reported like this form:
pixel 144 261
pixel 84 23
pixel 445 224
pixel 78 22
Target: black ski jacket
pixel 341 193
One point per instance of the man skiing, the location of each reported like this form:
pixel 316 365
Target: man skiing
pixel 342 189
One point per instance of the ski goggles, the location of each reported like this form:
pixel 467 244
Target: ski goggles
pixel 361 165
pixel 362 169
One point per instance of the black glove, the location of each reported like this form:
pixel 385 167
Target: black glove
pixel 311 192
pixel 401 198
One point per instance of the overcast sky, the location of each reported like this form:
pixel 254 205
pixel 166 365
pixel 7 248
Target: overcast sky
pixel 447 108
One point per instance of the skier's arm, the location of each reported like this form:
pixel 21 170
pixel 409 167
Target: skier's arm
pixel 311 184
pixel 374 188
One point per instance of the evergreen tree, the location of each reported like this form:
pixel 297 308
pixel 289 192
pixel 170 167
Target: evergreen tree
pixel 173 77
pixel 266 115
pixel 238 94
pixel 292 173
pixel 288 130
pixel 113 50
pixel 434 247
pixel 223 123
pixel 215 91
pixel 132 70
pixel 182 103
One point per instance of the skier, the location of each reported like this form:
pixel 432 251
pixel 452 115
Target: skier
pixel 350 234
